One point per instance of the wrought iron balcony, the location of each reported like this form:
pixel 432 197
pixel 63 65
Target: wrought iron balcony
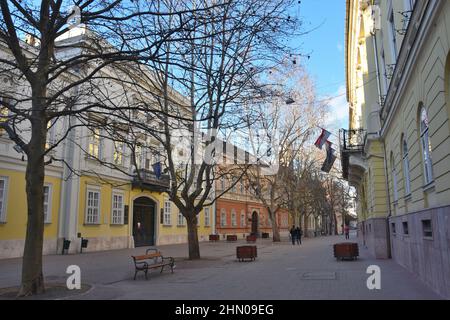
pixel 146 179
pixel 353 140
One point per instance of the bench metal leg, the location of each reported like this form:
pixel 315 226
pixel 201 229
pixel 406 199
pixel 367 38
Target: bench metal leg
pixel 162 269
pixel 146 274
pixel 135 273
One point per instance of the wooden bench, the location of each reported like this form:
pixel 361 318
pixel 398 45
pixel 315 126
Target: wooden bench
pixel 251 238
pixel 152 259
pixel 232 238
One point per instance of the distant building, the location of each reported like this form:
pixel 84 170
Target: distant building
pixel 238 210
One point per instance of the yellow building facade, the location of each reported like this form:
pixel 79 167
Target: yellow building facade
pixel 396 151
pixel 85 200
pixel 126 216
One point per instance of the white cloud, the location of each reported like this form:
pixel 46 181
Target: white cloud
pixel 337 115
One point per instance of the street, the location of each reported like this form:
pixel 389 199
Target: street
pixel 281 272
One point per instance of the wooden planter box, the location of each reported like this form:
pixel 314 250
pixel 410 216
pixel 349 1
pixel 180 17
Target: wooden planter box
pixel 265 235
pixel 231 238
pixel 246 252
pixel 251 238
pixel 214 237
pixel 346 251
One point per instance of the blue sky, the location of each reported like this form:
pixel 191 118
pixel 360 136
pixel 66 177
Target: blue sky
pixel 326 64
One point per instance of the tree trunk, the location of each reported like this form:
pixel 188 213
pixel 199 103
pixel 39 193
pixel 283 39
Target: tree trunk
pixel 32 277
pixel 305 225
pixel 276 233
pixel 194 247
pixel 335 224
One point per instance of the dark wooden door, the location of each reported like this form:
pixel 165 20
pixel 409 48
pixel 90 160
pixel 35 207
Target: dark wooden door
pixel 255 223
pixel 144 222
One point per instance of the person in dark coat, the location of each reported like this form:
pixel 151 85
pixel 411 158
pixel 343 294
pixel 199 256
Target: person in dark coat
pixel 298 234
pixel 293 234
pixel 347 231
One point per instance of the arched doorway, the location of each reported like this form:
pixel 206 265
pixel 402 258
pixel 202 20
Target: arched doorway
pixel 255 223
pixel 144 222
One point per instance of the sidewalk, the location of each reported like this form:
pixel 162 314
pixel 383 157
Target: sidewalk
pixel 281 271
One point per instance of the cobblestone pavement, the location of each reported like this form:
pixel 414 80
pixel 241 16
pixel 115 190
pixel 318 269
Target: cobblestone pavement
pixel 281 271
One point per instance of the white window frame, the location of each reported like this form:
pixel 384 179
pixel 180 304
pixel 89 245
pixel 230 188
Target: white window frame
pixel 48 212
pixel 51 134
pixel 223 218
pixel 94 141
pixel 406 174
pixel 394 179
pixel 4 199
pixel 86 217
pixel 243 218
pixel 167 213
pixel 3 114
pixel 233 218
pixel 117 212
pixel 119 152
pixel 181 220
pixel 392 32
pixel 234 185
pixel 426 147
pixel 207 217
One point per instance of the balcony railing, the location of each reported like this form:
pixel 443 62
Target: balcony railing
pixel 146 179
pixel 353 140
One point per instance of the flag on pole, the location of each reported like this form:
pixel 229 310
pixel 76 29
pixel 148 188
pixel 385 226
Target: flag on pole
pixel 322 138
pixel 157 169
pixel 331 157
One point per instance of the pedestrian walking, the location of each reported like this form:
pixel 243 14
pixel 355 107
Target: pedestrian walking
pixel 347 232
pixel 293 234
pixel 298 234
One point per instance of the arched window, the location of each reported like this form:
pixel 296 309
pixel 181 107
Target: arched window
pixel 242 218
pixel 426 146
pixel 233 218
pixel 406 176
pixel 394 178
pixel 223 218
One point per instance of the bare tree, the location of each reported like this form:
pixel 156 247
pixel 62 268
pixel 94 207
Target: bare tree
pixel 54 75
pixel 286 124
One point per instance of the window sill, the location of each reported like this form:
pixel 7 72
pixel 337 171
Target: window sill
pixel 93 159
pixel 116 224
pixel 428 238
pixel 92 224
pixel 428 187
pixel 408 197
pixel 167 226
pixel 181 225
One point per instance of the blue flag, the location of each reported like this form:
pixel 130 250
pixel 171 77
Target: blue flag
pixel 157 169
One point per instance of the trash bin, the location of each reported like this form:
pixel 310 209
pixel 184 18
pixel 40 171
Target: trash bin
pixel 66 245
pixel 84 244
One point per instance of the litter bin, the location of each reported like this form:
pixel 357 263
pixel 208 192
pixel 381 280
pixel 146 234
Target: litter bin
pixel 84 244
pixel 66 245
